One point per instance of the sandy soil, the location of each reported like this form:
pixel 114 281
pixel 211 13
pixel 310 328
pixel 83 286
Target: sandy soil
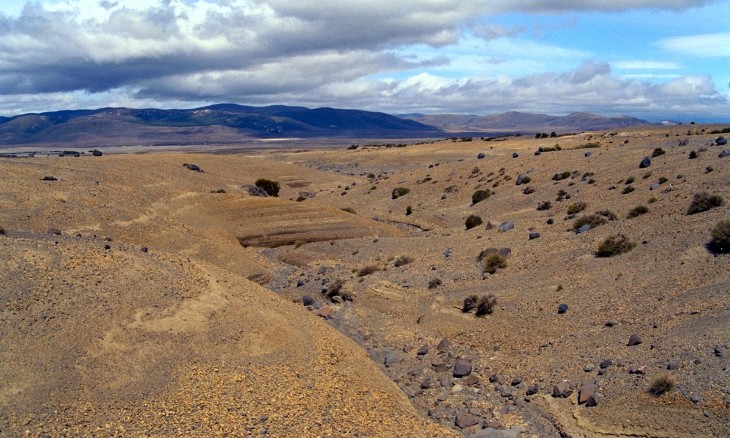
pixel 101 337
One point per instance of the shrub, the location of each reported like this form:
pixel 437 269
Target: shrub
pixel 629 180
pixel 588 146
pixel 703 202
pixel 486 304
pixel 661 385
pixel 651 200
pixel 692 155
pixel 218 191
pixel 402 260
pixel 493 262
pixel 657 152
pixel 638 211
pixel 615 245
pixel 270 187
pixel 400 191
pixel 434 283
pixel 528 190
pixel 472 221
pixel 2 231
pixel 595 219
pixel 662 180
pixel 369 269
pixel 627 190
pixel 409 210
pixel 720 242
pixel 479 196
pixel 576 207
pixel 470 303
pixel 560 176
pixel 545 205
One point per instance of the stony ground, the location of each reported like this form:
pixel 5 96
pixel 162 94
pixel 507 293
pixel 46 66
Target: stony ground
pixel 178 338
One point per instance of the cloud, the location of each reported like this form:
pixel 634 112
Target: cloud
pixel 646 65
pixel 337 53
pixel 709 45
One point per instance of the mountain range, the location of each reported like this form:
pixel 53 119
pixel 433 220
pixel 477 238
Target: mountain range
pixel 232 123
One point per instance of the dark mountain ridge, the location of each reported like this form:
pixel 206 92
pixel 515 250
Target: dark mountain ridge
pixel 231 123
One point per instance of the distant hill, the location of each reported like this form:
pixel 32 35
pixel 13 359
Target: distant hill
pixel 525 122
pixel 221 123
pixel 231 123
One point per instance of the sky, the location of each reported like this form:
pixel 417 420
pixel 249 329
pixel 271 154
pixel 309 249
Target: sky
pixel 653 59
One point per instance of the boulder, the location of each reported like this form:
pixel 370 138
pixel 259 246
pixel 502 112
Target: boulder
pixel 562 308
pixel 534 235
pixel 725 153
pixel 505 226
pixel 562 389
pixel 646 162
pixel 515 155
pixel 465 419
pixel 480 156
pixel 720 141
pixel 587 391
pixel 462 367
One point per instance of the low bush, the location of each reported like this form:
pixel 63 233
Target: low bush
pixel 469 304
pixel 594 219
pixel 661 385
pixel 637 211
pixel 400 191
pixel 402 260
pixel 662 180
pixel 486 304
pixel 720 242
pixel 545 205
pixel 2 231
pixel 479 196
pixel 561 176
pixel 614 245
pixel 693 155
pixel 409 210
pixel 703 202
pixel 627 190
pixel 629 180
pixel 434 283
pixel 368 269
pixel 270 187
pixel 493 262
pixel 577 207
pixel 472 221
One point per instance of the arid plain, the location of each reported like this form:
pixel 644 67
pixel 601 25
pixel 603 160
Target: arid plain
pixel 144 298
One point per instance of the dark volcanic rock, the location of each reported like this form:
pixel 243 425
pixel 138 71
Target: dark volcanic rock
pixel 462 367
pixel 646 162
pixel 194 167
pixel 534 235
pixel 307 300
pixel 605 363
pixel 480 155
pixel 562 308
pixel 634 339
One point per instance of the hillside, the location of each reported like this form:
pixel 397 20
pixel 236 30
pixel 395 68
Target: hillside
pixel 145 298
pixel 217 124
pixel 525 122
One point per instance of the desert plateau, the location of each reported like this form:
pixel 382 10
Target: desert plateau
pixel 165 294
